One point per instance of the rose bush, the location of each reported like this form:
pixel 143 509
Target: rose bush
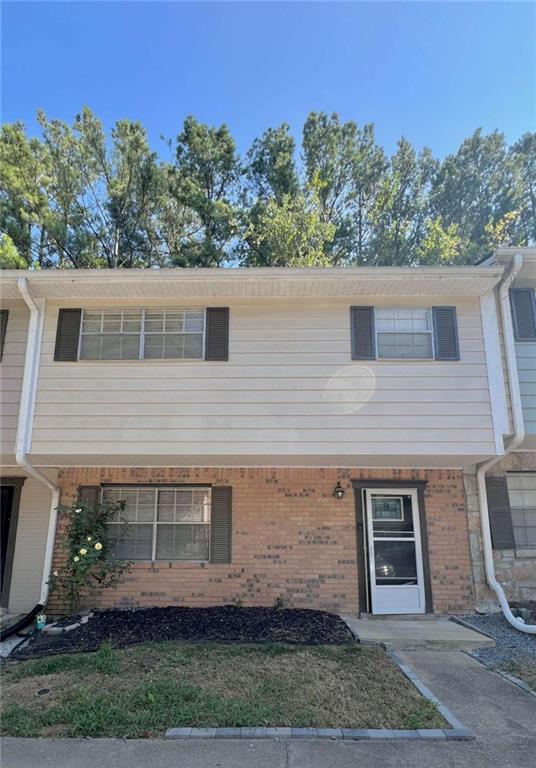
pixel 89 547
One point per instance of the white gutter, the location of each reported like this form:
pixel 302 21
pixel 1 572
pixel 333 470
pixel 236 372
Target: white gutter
pixel 25 424
pixel 517 439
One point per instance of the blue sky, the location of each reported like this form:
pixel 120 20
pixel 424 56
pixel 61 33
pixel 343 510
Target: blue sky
pixel 431 71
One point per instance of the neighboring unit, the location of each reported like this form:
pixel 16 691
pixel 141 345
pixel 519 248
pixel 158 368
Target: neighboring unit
pixel 275 434
pixel 511 482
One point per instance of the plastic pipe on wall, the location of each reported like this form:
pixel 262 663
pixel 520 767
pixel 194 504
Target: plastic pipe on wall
pixel 24 428
pixel 517 439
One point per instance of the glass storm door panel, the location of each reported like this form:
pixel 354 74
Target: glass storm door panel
pixel 394 551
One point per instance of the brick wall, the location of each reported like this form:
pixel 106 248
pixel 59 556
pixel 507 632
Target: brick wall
pixel 291 539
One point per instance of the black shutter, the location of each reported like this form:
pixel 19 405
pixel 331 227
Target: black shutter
pixel 89 494
pixel 500 518
pixel 523 312
pixel 67 334
pixel 217 334
pixel 446 333
pixel 362 331
pixel 221 525
pixel 4 314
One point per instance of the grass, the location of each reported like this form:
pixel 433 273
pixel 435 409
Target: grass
pixel 525 670
pixel 142 690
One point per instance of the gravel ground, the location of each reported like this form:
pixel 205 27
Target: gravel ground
pixel 511 645
pixel 229 624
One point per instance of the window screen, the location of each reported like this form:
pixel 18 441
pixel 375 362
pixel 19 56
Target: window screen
pixel 161 523
pixel 404 333
pixel 522 496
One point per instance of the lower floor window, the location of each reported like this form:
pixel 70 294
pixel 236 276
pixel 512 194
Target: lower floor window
pixel 166 523
pixel 522 496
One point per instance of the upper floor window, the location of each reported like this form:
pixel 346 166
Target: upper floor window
pixel 177 333
pixel 404 333
pixel 138 334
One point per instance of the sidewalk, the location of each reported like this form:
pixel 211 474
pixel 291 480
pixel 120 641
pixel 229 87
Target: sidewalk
pixel 502 716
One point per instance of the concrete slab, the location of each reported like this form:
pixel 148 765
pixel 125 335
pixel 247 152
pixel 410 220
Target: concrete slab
pixel 435 633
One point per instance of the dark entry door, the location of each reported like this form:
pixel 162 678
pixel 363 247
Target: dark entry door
pixel 6 512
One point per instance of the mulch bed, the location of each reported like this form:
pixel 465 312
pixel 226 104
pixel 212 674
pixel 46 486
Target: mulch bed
pixel 229 624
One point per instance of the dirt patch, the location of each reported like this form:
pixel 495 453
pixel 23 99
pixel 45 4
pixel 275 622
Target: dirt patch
pixel 228 624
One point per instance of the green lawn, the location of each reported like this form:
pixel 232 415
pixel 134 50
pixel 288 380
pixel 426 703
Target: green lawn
pixel 142 690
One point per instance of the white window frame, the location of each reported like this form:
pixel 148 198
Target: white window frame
pixel 141 349
pixel 155 523
pixel 405 309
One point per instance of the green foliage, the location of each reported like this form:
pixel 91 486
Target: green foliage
pixel 9 256
pixel 79 197
pixel 292 232
pixel 440 245
pixel 204 176
pixel 89 546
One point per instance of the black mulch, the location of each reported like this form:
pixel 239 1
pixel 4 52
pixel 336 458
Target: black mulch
pixel 229 624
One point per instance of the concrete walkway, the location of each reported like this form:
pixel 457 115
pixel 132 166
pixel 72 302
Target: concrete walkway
pixel 502 716
pixel 434 633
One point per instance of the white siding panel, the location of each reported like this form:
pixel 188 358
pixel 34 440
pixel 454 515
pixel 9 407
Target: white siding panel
pixel 526 367
pixel 289 386
pixel 11 371
pixel 29 547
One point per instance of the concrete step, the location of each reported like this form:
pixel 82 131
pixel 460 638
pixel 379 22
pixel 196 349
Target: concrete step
pixel 436 633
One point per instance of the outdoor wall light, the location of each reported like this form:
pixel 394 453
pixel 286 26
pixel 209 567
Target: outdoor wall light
pixel 338 491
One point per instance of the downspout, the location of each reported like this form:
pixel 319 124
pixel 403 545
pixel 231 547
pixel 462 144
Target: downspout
pixel 24 430
pixel 517 439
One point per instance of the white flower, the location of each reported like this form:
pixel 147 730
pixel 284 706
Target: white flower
pixel 76 558
pixel 77 510
pixel 89 538
pixel 98 545
pixel 54 573
pixel 83 551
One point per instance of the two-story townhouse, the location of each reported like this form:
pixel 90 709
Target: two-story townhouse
pixel 511 481
pixel 274 433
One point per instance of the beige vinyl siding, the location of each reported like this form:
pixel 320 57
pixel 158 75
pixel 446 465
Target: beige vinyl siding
pixel 526 371
pixel 11 371
pixel 30 545
pixel 289 387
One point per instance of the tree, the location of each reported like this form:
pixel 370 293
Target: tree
pixel 271 180
pixel 205 177
pixel 120 188
pixel 293 232
pixel 270 165
pixel 9 256
pixel 474 189
pixel 330 153
pixel 440 246
pixel 23 193
pixel 369 177
pixel 523 155
pixel 401 208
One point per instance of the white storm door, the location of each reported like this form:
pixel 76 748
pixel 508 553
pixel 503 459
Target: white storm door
pixel 395 552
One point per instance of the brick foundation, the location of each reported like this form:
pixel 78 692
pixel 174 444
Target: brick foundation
pixel 291 540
